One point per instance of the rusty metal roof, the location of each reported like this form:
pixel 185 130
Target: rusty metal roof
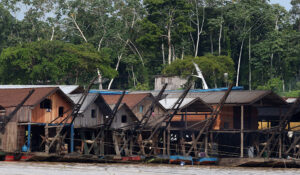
pixel 13 97
pixel 131 100
pixel 242 97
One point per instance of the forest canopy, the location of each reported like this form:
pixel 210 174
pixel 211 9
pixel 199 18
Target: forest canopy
pixel 131 41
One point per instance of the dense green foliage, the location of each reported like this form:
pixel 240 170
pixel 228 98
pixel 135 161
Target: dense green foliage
pixel 56 62
pixel 65 41
pixel 213 68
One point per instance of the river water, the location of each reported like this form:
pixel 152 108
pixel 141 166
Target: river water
pixel 37 168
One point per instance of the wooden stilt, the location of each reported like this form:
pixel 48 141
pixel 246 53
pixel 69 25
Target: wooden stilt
pixel 242 131
pixel 164 142
pixel 280 146
pixel 47 139
pixel 206 144
pixel 84 145
pixel 141 144
pixel 102 144
pixel 125 146
pixel 168 142
pixel 131 146
pixel 116 144
pixel 194 145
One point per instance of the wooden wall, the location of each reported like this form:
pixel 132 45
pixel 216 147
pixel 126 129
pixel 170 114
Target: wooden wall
pixel 42 116
pixel 228 118
pixel 13 138
pixel 146 103
pixel 86 120
pixel 117 122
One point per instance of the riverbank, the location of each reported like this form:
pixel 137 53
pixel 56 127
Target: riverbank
pixel 47 168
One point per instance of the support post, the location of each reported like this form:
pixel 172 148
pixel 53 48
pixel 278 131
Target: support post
pixel 28 137
pixel 72 138
pixel 47 138
pixel 168 142
pixel 164 142
pixel 280 146
pixel 101 144
pixel 206 144
pixel 242 131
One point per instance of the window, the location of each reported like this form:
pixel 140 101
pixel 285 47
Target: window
pixel 61 111
pixel 93 113
pixel 124 119
pixel 46 104
pixel 141 109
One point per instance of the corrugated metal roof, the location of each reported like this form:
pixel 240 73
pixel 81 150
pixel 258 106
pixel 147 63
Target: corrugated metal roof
pixel 13 97
pixel 235 97
pixel 130 99
pixel 188 104
pixel 67 89
pixel 90 98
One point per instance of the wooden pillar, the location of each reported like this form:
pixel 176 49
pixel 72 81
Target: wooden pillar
pixel 47 139
pixel 280 146
pixel 164 142
pixel 101 144
pixel 242 131
pixel 168 141
pixel 116 144
pixel 206 144
pixel 131 146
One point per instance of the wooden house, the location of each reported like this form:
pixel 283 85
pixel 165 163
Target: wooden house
pixel 238 117
pixel 92 112
pixel 47 105
pixel 124 119
pixel 138 104
pixel 91 117
pixel 188 113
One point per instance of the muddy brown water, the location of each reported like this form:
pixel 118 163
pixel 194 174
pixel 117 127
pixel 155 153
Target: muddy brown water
pixel 37 168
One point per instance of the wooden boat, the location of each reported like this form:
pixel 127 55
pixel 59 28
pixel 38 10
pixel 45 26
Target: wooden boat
pixel 177 159
pixel 206 161
pixel 158 159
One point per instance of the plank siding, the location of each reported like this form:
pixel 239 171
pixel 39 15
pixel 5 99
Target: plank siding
pixel 42 116
pixel 146 103
pixel 85 120
pixel 117 122
pixel 10 137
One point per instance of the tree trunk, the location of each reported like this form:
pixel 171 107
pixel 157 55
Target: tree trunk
pixel 117 67
pixel 52 35
pixel 239 63
pixel 199 30
pixel 169 45
pixel 163 53
pixel 220 36
pixel 250 76
pixel 211 43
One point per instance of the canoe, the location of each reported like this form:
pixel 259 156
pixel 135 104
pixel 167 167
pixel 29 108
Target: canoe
pixel 206 161
pixel 177 159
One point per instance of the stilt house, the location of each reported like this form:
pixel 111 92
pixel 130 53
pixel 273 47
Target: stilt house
pixel 47 105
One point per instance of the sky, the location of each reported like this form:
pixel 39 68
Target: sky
pixel 284 3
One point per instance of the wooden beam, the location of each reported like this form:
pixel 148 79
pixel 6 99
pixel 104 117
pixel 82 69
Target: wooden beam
pixel 242 131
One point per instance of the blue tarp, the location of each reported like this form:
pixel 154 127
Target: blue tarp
pixel 107 92
pixel 170 91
